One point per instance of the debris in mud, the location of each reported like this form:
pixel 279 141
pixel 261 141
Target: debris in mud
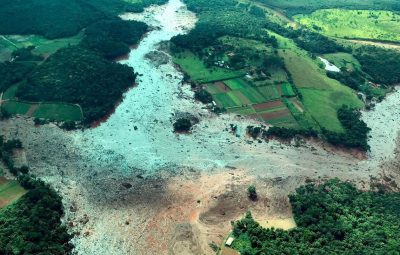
pixel 158 58
pixel 127 185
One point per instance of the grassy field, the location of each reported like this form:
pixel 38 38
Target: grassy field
pixel 45 47
pixel 323 105
pixel 292 7
pixel 49 111
pixel 58 112
pixel 342 59
pixel 305 72
pixel 322 96
pixel 196 69
pixel 360 24
pixel 287 90
pixel 10 191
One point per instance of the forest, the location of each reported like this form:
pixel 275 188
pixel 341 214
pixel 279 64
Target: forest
pixel 332 218
pixel 61 18
pixel 356 131
pixel 31 225
pixel 382 65
pixel 79 76
pixel 112 37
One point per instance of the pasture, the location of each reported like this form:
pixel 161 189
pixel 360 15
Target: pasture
pixel 342 59
pixel 43 46
pixel 292 7
pixel 353 24
pixel 198 71
pixel 49 111
pixel 322 96
pixel 10 191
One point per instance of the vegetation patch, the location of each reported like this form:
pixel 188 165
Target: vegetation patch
pixel 10 191
pixel 359 24
pixel 78 76
pixel 292 7
pixel 331 218
pixel 198 71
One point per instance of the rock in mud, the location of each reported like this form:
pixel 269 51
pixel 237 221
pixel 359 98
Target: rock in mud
pixel 158 58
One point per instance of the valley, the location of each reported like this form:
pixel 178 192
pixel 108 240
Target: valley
pixel 131 185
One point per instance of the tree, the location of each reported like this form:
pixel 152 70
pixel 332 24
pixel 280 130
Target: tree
pixel 182 125
pixel 252 192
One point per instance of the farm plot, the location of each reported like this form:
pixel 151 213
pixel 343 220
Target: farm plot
pixel 269 92
pixel 197 70
pixel 58 112
pixel 235 84
pixel 287 90
pixel 217 87
pixel 43 46
pixel 10 191
pixel 50 111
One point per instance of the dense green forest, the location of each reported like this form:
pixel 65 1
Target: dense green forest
pixel 382 65
pixel 332 218
pixel 112 37
pixel 356 131
pixel 60 18
pixel 79 76
pixel 11 73
pixel 32 225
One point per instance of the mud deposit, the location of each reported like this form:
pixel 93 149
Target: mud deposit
pixel 132 186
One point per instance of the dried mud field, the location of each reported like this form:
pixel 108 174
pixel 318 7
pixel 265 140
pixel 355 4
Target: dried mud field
pixel 132 186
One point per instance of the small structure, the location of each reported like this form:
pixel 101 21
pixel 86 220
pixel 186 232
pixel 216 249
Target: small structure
pixel 229 241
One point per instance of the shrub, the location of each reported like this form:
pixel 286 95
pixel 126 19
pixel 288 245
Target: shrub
pixel 182 125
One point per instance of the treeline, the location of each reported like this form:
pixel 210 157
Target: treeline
pixel 32 225
pixel 112 37
pixel 60 18
pixel 383 65
pixel 13 72
pixel 355 133
pixel 353 79
pixel 79 76
pixel 220 18
pixel 317 43
pixel 356 130
pixel 332 218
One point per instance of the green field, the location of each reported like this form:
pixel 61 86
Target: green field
pixel 15 107
pixel 323 105
pixel 287 90
pixel 322 96
pixel 359 24
pixel 50 111
pixel 197 70
pixel 10 191
pixel 45 47
pixel 234 84
pixel 292 7
pixel 342 59
pixel 58 112
pixel 269 92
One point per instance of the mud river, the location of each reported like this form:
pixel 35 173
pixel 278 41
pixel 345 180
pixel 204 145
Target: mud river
pixel 132 186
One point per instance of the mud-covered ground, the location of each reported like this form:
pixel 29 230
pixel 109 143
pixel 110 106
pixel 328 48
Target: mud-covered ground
pixel 132 186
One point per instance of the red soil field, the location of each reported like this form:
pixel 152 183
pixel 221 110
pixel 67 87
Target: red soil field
pixel 268 105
